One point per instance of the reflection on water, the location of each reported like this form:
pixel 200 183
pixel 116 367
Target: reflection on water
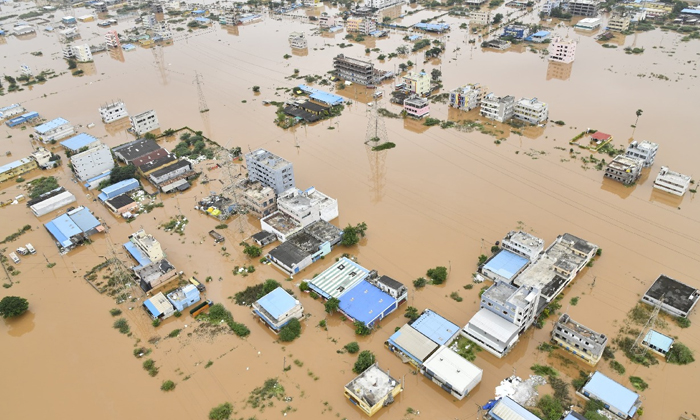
pixel 17 327
pixel 300 52
pixel 561 71
pixel 615 187
pixel 662 197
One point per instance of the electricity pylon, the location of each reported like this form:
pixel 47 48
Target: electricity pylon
pixel 202 101
pixel 376 136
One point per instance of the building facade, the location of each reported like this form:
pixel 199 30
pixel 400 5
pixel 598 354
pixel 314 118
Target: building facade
pixel 55 129
pixel 499 108
pixel 579 339
pixel 418 83
pixel 382 4
pixel 92 162
pixel 363 25
pixel 646 151
pixel 260 200
pixel 354 70
pixel 416 107
pixel 270 169
pixel 619 23
pixel 468 97
pixel 624 169
pixel 531 111
pixel 82 53
pixel 672 182
pixel 144 122
pixel 113 111
pixel 562 50
pixel 588 8
pixel 297 40
pixel 16 168
pixel 478 17
pixel 524 244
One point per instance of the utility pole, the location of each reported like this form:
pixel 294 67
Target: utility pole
pixel 202 101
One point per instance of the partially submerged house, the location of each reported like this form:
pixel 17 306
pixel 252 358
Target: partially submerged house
pixel 263 238
pixel 55 129
pixel 155 274
pixel 672 182
pixel 81 142
pixel 305 246
pixel 504 266
pixel 674 297
pixel 579 340
pixel 372 390
pixel 645 150
pixel 507 409
pixel 73 228
pixel 524 244
pixel 130 151
pixel 452 372
pixel 184 297
pixel 366 303
pixel 411 346
pixel 51 201
pixel 624 169
pixel 277 308
pixel 658 343
pixel 18 167
pixel 338 278
pixel 616 398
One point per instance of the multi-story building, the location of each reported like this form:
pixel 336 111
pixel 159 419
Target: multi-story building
pixel 418 83
pixel 172 177
pixel 372 390
pixel 382 4
pixel 646 151
pixel 82 53
pixel 16 168
pixel 270 169
pixel 416 107
pixel 452 372
pixel 11 110
pixel 100 7
pixel 562 50
pixel 506 311
pixel 672 182
pixel 326 21
pixel 92 162
pixel 363 25
pixel 277 308
pixel 113 111
pixel 148 245
pixel 479 17
pixel 297 40
pixel 112 40
pixel 549 5
pixel 55 129
pixel 619 23
pixel 43 158
pixel 579 339
pixel 587 8
pixel 228 19
pixel 516 31
pixel 468 97
pixel 354 70
pixel 531 110
pixel 499 108
pixel 260 200
pixel 309 206
pixel 624 169
pixel 524 244
pixel 144 122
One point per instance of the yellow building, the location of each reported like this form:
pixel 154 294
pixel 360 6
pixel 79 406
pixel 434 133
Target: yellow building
pixel 15 168
pixel 372 389
pixel 418 83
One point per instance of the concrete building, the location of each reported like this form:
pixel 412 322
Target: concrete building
pixel 159 307
pixel 658 343
pixel 531 111
pixel 382 4
pixel 263 238
pixel 44 158
pixel 155 274
pixel 616 398
pixel 92 162
pixel 297 40
pixel 11 110
pixel 128 152
pixel 112 40
pixel 326 21
pixel 304 247
pixel 584 7
pixel 307 206
pixel 149 158
pixel 372 390
pixel 562 50
pixel 646 151
pixel 418 83
pixel 79 143
pixel 260 200
pixel 672 182
pixel 411 346
pixel 100 7
pixel 114 111
pixel 277 308
pixel 366 303
pixel 626 170
pixel 499 108
pixel 619 22
pixel 52 202
pixel 468 97
pixel 270 169
pixel 558 266
pixel 82 53
pixel 524 244
pixel 452 372
pixel 579 339
pixel 121 187
pixel 72 228
pixel 356 71
pixel 184 297
pixel 144 122
pixel 675 298
pixel 416 107
pixel 338 278
pixel 548 5
pixel 479 17
pixel 507 409
pixel 122 204
pixel 438 329
pixel 516 31
pixel 589 24
pixel 363 25
pixel 148 245
pixel 172 177
pixel 393 288
pixel 504 266
pixel 280 224
pixel 55 129
pixel 18 167
pixel 539 37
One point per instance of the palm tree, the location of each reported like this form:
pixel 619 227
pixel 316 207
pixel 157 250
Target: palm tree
pixel 639 114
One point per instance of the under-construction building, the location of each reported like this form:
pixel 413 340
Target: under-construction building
pixel 356 71
pixel 579 339
pixel 587 8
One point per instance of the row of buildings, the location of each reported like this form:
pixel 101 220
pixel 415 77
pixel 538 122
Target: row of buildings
pixel 141 123
pixel 498 108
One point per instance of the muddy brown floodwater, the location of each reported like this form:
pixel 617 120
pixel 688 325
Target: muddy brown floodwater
pixel 441 197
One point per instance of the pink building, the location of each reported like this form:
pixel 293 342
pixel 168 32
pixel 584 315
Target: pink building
pixel 416 107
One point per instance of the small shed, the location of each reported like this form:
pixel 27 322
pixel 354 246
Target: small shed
pixel 657 342
pixel 159 307
pixel 119 188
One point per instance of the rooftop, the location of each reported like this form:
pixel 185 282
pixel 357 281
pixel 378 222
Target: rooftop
pixel 389 282
pixel 282 223
pixel 150 157
pixel 658 340
pixel 531 103
pixel 599 135
pixel 158 305
pixel 523 238
pixel 644 145
pixel 277 303
pixel 670 176
pixel 50 125
pixel 137 254
pixel 183 293
pixel 372 385
pixel 324 231
pixel 262 235
pixel 497 327
pixel 507 409
pixel 506 264
pixel 353 61
pixel 574 416
pixel 156 163
pixel 131 183
pixel 582 330
pixel 339 277
pixel 612 393
pixel 136 148
pixel 175 166
pixel 416 102
pixel 289 254
pixel 304 241
pixel 540 34
pixel 266 158
pixel 15 164
pixel 78 142
pixel 435 327
pixel 365 302
pixel 675 294
pixel 454 369
pixel 413 343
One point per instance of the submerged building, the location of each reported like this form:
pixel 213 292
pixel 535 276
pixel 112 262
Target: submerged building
pixel 497 108
pixel 114 111
pixel 645 151
pixel 624 169
pixel 617 399
pixel 532 110
pixel 372 390
pixel 562 50
pixel 579 339
pixel 672 182
pixel 270 169
pixel 675 298
pixel 277 308
pixel 452 372
pixel 468 97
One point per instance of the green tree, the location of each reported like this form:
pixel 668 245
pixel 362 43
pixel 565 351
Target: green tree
pixel 497 18
pixel 12 306
pixel 252 251
pixel 72 64
pixel 352 347
pixel 550 407
pixel 364 360
pixel 638 113
pixel 120 173
pixel 256 89
pixel 438 275
pixel 290 331
pixel 332 305
pixel 149 136
pixel 420 282
pixel 411 313
pixel 269 286
pixel 352 234
pixel 221 412
pixel 482 259
pixel 361 328
pixel 680 354
pixel 436 74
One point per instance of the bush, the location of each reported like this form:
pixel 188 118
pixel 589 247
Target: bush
pixel 431 121
pixel 638 383
pixel 256 89
pixel 115 312
pixel 12 306
pixel 122 325
pixel 361 328
pixel 482 259
pixel 544 370
pixel 177 314
pixel 437 275
pixel 420 282
pixel 290 331
pixel 332 305
pixel 364 360
pixel 167 386
pixel 683 322
pixel 156 322
pixel 352 347
pixel 174 333
pixel 221 412
pixel 149 364
pixel 680 354
pixel 617 367
pixel 252 251
pixel 411 313
pixel 352 234
pixel 551 408
pixel 303 286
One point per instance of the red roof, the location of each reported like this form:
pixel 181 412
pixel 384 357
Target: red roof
pixel 150 157
pixel 598 135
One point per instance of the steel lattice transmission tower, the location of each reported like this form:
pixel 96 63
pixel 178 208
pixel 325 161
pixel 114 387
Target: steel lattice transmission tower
pixel 637 348
pixel 202 101
pixel 225 156
pixel 160 64
pixel 376 135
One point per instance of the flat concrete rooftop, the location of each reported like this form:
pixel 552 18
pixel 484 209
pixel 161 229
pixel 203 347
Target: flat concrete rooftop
pixel 372 385
pixel 675 294
pixel 282 223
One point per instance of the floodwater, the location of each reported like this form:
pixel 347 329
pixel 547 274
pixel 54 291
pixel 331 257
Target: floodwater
pixel 441 197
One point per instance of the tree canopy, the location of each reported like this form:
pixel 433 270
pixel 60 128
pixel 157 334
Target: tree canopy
pixel 12 306
pixel 290 331
pixel 438 275
pixel 352 234
pixel 364 360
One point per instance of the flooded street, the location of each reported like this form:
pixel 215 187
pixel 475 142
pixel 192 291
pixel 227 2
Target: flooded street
pixel 442 197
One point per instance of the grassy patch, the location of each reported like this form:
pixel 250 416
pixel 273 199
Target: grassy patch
pixel 466 348
pixel 122 325
pixel 543 370
pixel 617 367
pixel 266 394
pixel 638 383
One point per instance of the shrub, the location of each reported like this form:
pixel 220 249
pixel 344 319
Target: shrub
pixel 115 312
pixel 437 275
pixel 411 313
pixel 167 386
pixel 252 251
pixel 683 322
pixel 332 305
pixel 221 412
pixel 574 301
pixel 174 333
pixel 638 383
pixel 122 325
pixel 456 296
pixel 420 282
pixel 617 367
pixel 177 314
pixel 482 259
pixel 352 347
pixel 679 354
pixel 12 306
pixel 290 331
pixel 156 322
pixel 149 364
pixel 361 328
pixel 544 370
pixel 303 286
pixel 364 360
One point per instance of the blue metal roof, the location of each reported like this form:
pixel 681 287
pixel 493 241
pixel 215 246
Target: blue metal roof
pixel 202 20
pixel 574 416
pixel 14 164
pixel 541 33
pixel 119 188
pixel 506 264
pixel 435 327
pixel 691 11
pixel 78 142
pixel 278 302
pixel 84 219
pixel 152 308
pixel 50 125
pixel 512 411
pixel 612 393
pixel 322 96
pixel 366 303
pixel 63 228
pixel 659 340
pixel 435 27
pixel 137 254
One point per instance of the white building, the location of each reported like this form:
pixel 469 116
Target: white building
pixel 82 53
pixel 297 40
pixel 524 244
pixel 43 158
pixel 326 21
pixel 55 129
pixel 531 110
pixel 452 372
pixel 68 52
pixel 672 182
pixel 588 24
pixel 499 108
pixel 92 162
pixel 11 110
pixel 144 122
pixel 474 2
pixel 646 151
pixel 113 111
pixel 270 169
pixel 479 17
pixel 51 204
pixel 307 206
pixel 562 50
pixel 549 5
pixel 382 4
pixel 619 23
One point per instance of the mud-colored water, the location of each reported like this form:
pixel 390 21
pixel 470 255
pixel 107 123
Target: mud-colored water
pixel 441 197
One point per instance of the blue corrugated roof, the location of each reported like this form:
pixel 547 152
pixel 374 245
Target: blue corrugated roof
pixel 63 228
pixel 506 264
pixel 138 255
pixel 659 340
pixel 14 164
pixel 152 308
pixel 84 219
pixel 366 303
pixel 50 125
pixel 322 96
pixel 78 142
pixel 119 188
pixel 574 416
pixel 432 26
pixel 278 302
pixel 612 393
pixel 541 33
pixel 691 11
pixel 202 19
pixel 514 408
pixel 435 327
